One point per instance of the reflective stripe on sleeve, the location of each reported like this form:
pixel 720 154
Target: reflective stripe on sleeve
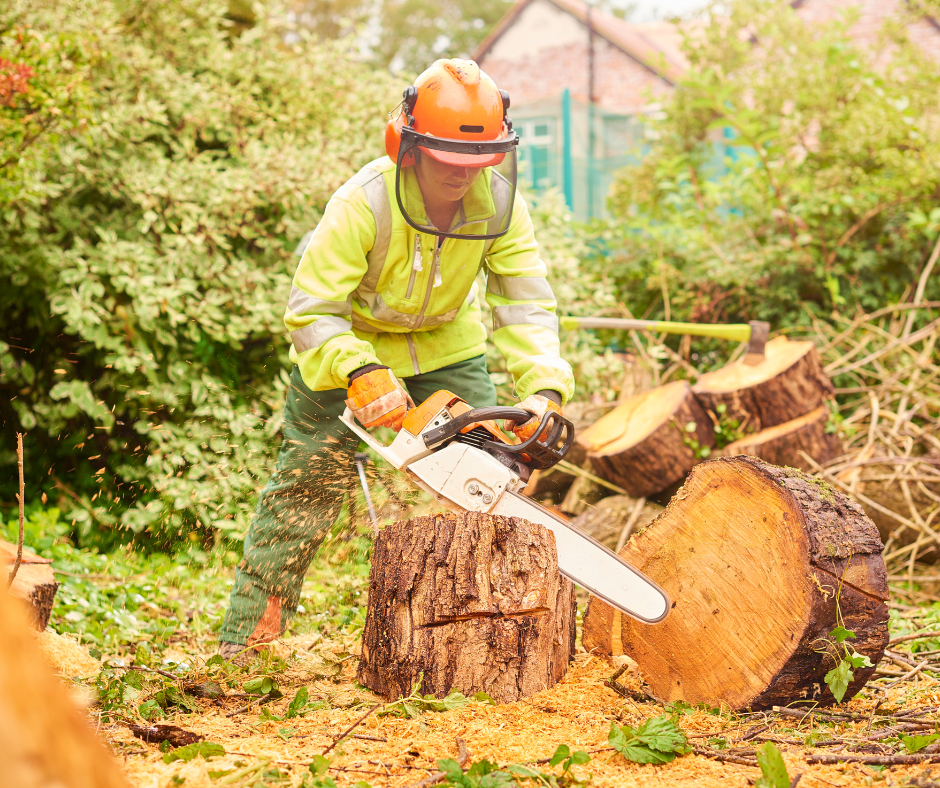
pixel 520 288
pixel 312 336
pixel 301 303
pixel 373 184
pixel 522 315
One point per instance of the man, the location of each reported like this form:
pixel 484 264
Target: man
pixel 386 290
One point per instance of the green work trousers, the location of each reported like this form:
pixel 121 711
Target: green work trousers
pixel 303 498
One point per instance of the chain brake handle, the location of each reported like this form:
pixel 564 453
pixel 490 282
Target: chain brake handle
pixel 536 452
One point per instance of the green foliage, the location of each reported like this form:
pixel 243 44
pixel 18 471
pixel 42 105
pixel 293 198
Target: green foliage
pixel 300 706
pixel 773 769
pixel 316 777
pixel 44 99
pixel 486 774
pixel 839 678
pixel 416 704
pixel 147 262
pixel 262 685
pixel 787 175
pixel 204 749
pixel 917 743
pixel 412 31
pixel 658 740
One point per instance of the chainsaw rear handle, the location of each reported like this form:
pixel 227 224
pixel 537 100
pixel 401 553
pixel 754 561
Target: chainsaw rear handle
pixel 538 452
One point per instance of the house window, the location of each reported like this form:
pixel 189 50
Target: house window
pixel 621 134
pixel 536 150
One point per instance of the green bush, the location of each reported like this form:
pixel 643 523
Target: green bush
pixel 148 250
pixel 790 173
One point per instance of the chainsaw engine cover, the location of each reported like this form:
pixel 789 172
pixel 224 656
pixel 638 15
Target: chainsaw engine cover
pixel 469 477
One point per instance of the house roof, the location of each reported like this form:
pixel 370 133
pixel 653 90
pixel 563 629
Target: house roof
pixel 655 45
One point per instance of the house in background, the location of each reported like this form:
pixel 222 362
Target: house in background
pixel 581 81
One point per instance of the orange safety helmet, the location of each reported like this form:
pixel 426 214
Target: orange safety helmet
pixel 452 100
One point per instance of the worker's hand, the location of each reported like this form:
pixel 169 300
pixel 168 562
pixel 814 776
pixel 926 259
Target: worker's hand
pixel 376 398
pixel 538 405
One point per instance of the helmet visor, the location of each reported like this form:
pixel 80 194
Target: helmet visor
pixel 456 188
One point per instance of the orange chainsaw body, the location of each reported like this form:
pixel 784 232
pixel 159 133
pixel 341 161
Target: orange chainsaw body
pixel 418 418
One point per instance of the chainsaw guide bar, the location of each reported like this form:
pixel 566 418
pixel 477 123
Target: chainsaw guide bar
pixel 459 456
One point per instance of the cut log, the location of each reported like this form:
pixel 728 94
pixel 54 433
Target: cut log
pixel 45 740
pixel 788 383
pixel 783 444
pixel 642 445
pixel 34 584
pixel 760 562
pixel 468 602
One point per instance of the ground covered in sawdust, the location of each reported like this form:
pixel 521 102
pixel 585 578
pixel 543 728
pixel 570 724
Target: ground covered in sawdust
pixel 161 614
pixel 390 751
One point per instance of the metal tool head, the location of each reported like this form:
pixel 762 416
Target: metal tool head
pixel 755 347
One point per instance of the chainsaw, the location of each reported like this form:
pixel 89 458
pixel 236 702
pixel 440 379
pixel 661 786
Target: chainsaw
pixel 459 455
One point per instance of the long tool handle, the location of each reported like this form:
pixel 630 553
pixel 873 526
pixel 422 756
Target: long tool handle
pixel 360 459
pixel 736 332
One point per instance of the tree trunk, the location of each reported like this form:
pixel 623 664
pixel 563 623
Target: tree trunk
pixel 783 444
pixel 469 602
pixel 35 583
pixel 761 563
pixel 642 444
pixel 788 383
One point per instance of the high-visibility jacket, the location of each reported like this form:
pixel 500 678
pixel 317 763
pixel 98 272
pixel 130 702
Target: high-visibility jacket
pixel 370 289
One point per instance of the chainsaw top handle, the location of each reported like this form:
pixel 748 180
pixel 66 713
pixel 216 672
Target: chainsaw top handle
pixel 536 452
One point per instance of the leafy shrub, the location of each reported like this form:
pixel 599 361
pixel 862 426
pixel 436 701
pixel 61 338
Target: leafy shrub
pixel 790 173
pixel 149 253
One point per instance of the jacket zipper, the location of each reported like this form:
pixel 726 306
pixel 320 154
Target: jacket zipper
pixel 434 280
pixel 414 355
pixel 416 266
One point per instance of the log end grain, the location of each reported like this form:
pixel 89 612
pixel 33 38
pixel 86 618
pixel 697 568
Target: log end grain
pixel 643 445
pixel 789 383
pixel 760 562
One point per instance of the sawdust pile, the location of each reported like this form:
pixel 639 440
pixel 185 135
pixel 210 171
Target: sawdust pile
pixel 66 656
pixel 400 752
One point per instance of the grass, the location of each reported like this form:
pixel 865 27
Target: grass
pixel 115 602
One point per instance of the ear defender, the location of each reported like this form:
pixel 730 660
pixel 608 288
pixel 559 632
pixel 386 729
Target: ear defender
pixel 393 128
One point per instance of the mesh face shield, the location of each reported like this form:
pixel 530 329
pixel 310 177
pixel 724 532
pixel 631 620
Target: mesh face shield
pixel 475 180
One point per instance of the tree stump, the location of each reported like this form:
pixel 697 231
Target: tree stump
pixel 642 444
pixel 788 383
pixel 35 582
pixel 783 444
pixel 759 562
pixel 469 602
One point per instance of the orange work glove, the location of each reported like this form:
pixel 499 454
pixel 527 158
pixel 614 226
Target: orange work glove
pixel 376 398
pixel 538 405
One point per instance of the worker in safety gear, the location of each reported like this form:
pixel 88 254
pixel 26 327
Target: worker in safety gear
pixel 384 312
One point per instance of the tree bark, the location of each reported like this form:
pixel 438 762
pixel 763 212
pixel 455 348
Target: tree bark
pixel 642 445
pixel 35 583
pixel 469 602
pixel 783 444
pixel 790 382
pixel 761 563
